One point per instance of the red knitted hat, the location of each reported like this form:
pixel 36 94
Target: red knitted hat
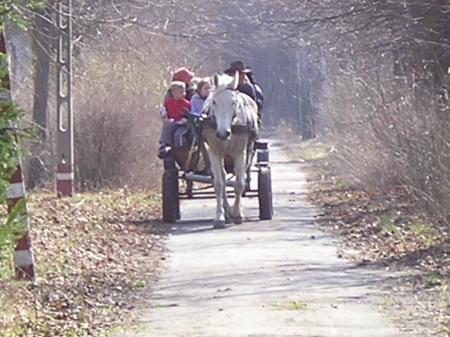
pixel 183 74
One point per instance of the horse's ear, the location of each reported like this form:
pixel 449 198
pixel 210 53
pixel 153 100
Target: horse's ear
pixel 216 80
pixel 234 84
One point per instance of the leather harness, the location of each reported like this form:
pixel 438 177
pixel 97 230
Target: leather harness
pixel 235 129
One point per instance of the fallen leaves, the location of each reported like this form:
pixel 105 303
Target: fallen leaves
pixel 386 230
pixel 94 252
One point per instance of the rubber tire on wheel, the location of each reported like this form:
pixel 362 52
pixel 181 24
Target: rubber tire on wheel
pixel 170 196
pixel 265 193
pixel 190 189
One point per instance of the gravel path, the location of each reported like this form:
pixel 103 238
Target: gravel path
pixel 279 278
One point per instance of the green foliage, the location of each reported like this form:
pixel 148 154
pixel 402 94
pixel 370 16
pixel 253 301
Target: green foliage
pixel 16 10
pixel 10 116
pixel 10 232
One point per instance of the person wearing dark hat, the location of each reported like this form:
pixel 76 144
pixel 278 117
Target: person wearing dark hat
pixel 245 86
pixel 258 91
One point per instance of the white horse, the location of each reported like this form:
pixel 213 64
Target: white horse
pixel 229 130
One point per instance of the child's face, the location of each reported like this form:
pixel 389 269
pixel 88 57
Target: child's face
pixel 204 91
pixel 178 93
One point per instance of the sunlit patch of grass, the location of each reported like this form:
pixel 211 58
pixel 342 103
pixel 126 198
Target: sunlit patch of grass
pixel 308 151
pixel 12 318
pixel 341 183
pixel 426 233
pixel 445 330
pixel 14 332
pixel 291 305
pixel 6 264
pixel 446 295
pixel 388 227
pixel 138 284
pixel 433 280
pixel 11 230
pixel 311 152
pixel 120 330
pixel 315 153
pixel 72 333
pixel 296 305
pixel 116 331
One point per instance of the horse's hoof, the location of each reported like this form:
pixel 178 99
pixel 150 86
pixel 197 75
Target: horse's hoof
pixel 220 224
pixel 228 217
pixel 237 220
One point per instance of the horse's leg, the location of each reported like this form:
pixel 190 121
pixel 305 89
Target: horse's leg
pixel 239 169
pixel 226 204
pixel 219 186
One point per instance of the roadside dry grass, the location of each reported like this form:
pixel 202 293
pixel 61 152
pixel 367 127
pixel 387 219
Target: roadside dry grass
pixel 94 253
pixel 384 230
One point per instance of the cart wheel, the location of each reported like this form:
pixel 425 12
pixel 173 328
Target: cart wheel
pixel 265 193
pixel 190 189
pixel 169 163
pixel 170 196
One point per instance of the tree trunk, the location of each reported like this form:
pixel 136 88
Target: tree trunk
pixel 307 123
pixel 42 51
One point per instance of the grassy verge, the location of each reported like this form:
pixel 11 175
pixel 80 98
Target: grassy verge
pixel 94 253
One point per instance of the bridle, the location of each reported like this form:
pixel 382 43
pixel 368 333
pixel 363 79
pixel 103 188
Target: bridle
pixel 207 113
pixel 209 120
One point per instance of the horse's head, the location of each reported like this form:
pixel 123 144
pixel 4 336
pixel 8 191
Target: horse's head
pixel 222 104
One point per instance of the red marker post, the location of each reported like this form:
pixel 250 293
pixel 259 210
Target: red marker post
pixel 23 254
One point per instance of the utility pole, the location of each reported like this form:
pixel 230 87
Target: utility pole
pixel 299 96
pixel 305 113
pixel 64 100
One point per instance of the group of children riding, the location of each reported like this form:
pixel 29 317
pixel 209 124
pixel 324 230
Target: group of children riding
pixel 187 95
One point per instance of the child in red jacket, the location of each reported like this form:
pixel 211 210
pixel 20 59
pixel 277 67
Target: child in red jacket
pixel 175 108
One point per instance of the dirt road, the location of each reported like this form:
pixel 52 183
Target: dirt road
pixel 279 278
